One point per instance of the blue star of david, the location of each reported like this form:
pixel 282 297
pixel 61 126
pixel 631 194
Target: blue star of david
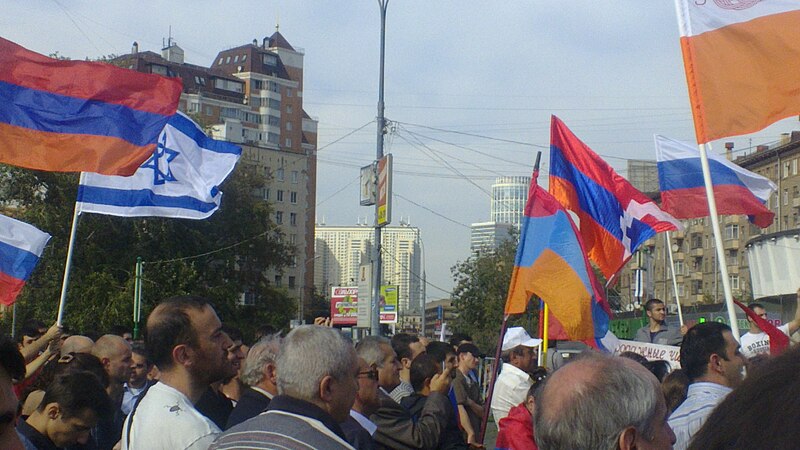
pixel 161 151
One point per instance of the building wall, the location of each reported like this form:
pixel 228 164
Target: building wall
pixel 509 196
pixel 488 236
pixel 340 251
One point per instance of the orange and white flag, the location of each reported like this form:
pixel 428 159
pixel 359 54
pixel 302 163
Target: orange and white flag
pixel 742 60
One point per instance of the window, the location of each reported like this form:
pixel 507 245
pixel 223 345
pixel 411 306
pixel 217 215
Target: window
pixel 278 280
pixel 274 104
pixel 294 177
pixel 293 219
pixel 288 109
pixel 679 269
pixel 293 197
pixel 787 166
pixel 227 60
pixel 266 193
pixel 734 279
pixel 279 195
pixel 732 257
pixel 209 111
pixel 270 60
pixel 292 238
pixel 292 282
pixel 279 217
pixel 236 59
pixel 220 60
pixel 274 121
pixel 732 231
pixel 279 174
pixel 785 197
pixel 273 138
pixel 288 142
pixel 288 126
pixel 258 84
pixel 244 57
pixel 288 92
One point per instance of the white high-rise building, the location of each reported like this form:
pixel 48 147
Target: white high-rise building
pixel 340 250
pixel 509 196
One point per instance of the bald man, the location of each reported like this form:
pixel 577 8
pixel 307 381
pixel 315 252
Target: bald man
pixel 601 401
pixel 77 344
pixel 115 354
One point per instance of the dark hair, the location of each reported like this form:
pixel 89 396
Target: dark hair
pixel 263 330
pixel 675 387
pixel 234 333
pixel 652 304
pixel 756 305
pixel 77 392
pixel 439 350
pixel 119 330
pixel 140 349
pixel 31 328
pixel 738 422
pixel 457 338
pixel 401 344
pixel 11 359
pixel 423 367
pixel 660 368
pixel 71 363
pixel 634 356
pixel 700 342
pixel 539 376
pixel 169 325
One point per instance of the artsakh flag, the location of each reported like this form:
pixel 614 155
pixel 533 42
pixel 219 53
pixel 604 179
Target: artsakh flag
pixel 72 116
pixel 21 245
pixel 552 264
pixel 683 193
pixel 613 216
pixel 742 61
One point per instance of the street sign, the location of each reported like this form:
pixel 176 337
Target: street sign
pixel 364 310
pixel 369 193
pixel 384 191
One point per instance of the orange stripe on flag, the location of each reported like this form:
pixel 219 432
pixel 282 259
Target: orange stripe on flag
pixel 24 147
pixel 548 279
pixel 744 76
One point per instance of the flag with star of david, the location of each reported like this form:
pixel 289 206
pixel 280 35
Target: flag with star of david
pixel 180 179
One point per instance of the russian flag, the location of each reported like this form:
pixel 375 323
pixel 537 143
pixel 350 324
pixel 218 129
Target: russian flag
pixel 742 62
pixel 614 217
pixel 21 246
pixel 552 264
pixel 73 116
pixel 683 194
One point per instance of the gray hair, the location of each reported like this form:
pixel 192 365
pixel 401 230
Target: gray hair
pixel 369 349
pixel 610 395
pixel 309 354
pixel 263 352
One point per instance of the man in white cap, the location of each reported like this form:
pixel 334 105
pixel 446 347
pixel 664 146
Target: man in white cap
pixel 513 383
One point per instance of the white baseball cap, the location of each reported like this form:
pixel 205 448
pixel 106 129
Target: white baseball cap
pixel 518 336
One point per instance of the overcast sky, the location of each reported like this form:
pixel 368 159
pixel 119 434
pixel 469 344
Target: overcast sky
pixel 470 87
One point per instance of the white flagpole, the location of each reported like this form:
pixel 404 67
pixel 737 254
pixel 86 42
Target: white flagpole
pixel 68 265
pixel 712 211
pixel 674 278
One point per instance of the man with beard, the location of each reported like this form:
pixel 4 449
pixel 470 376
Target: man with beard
pixel 185 340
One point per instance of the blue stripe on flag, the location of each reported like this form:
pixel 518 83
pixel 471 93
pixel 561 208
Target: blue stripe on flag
pixel 54 113
pixel 605 210
pixel 16 262
pixel 184 125
pixel 139 198
pixel 688 173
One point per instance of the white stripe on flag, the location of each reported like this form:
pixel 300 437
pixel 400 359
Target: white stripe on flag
pixel 22 235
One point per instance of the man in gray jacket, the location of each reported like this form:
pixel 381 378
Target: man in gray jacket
pixel 657 331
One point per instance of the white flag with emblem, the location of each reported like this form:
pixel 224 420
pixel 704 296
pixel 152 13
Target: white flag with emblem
pixel 179 180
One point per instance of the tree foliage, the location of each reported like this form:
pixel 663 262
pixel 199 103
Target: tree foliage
pixel 479 296
pixel 236 246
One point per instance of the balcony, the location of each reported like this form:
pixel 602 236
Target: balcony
pixel 796 202
pixel 678 234
pixel 733 270
pixel 730 244
pixel 696 276
pixel 697 228
pixel 679 256
pixel 696 252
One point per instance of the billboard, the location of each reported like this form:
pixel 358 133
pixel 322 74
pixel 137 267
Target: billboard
pixel 344 304
pixel 384 190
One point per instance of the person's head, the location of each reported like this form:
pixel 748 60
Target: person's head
pixel 263 330
pixel 675 387
pixel 760 413
pixel 115 354
pixel 77 344
pixel 468 356
pixel 123 332
pixel 12 367
pixel 710 353
pixel 72 363
pixel 760 311
pixel 71 406
pixel 602 402
pixel 442 352
pixel 377 352
pixel 518 349
pixel 367 400
pixel 460 338
pixel 140 366
pixel 539 377
pixel 236 352
pixel 184 335
pixel 656 310
pixel 635 357
pixel 31 331
pixel 260 366
pixel 659 368
pixel 423 368
pixel 407 347
pixel 317 364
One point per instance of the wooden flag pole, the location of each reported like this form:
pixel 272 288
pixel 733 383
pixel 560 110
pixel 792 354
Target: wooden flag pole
pixel 712 211
pixel 497 363
pixel 68 266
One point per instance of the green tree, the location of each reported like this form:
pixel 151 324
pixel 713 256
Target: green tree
pixel 238 244
pixel 479 296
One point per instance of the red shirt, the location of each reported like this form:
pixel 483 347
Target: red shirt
pixel 516 430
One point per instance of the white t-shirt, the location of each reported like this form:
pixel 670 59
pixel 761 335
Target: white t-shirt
pixel 510 389
pixel 756 344
pixel 166 419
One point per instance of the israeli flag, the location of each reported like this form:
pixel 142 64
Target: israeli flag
pixel 179 180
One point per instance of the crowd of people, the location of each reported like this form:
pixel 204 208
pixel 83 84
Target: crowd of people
pixel 194 384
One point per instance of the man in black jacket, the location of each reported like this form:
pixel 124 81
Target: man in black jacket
pixel 261 376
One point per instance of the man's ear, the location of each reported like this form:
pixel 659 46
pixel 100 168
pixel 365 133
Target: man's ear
pixel 271 373
pixel 714 363
pixel 406 362
pixel 182 354
pixel 627 439
pixel 326 388
pixel 53 411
